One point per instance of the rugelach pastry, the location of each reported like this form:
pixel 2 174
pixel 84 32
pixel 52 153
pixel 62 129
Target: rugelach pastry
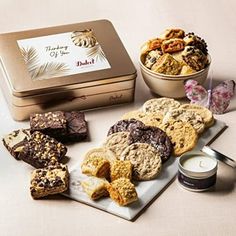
pixel 145 159
pixel 121 169
pixel 122 191
pixel 166 64
pixel 41 150
pixel 77 129
pixel 49 180
pixel 117 142
pixel 15 141
pixel 160 105
pixel 172 33
pixel 50 123
pixel 95 187
pixel 97 166
pixel 125 126
pixel 172 45
pixel 155 137
pixel 151 45
pixel 182 135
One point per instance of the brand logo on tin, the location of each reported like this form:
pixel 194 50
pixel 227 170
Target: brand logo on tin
pixel 85 62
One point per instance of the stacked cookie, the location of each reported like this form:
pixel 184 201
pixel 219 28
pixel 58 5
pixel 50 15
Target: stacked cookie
pixel 175 53
pixel 39 147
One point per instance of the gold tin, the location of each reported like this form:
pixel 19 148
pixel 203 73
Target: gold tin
pixel 78 66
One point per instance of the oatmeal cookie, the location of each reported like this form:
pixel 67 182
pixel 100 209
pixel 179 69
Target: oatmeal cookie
pixel 145 159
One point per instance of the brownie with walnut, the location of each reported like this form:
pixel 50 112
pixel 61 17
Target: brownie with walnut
pixel 42 150
pixel 49 180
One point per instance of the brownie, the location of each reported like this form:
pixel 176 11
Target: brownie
pixel 125 126
pixel 49 180
pixel 42 150
pixel 50 123
pixel 77 129
pixel 154 136
pixel 15 141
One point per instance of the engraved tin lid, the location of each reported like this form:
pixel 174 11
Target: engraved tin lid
pixel 93 49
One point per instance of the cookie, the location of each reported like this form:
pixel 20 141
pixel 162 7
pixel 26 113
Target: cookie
pixel 205 113
pixel 193 40
pixel 172 33
pixel 187 116
pixel 172 45
pixel 145 159
pixel 122 191
pixel 160 105
pixel 138 115
pixel 152 57
pixel 125 126
pixel 155 137
pixel 117 142
pixel 195 58
pixel 153 119
pixel 182 134
pixel 166 64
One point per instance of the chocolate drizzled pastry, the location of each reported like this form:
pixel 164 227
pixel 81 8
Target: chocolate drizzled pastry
pixel 42 150
pixel 49 180
pixel 15 141
pixel 155 137
pixel 125 126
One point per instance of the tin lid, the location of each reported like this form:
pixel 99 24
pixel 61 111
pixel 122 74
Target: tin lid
pixel 49 59
pixel 197 165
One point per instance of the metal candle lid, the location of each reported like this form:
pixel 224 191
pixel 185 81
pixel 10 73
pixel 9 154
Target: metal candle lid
pixel 197 165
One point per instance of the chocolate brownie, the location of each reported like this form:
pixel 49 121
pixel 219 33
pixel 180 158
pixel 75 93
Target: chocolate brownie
pixel 49 180
pixel 154 136
pixel 125 126
pixel 50 123
pixel 15 141
pixel 77 128
pixel 42 150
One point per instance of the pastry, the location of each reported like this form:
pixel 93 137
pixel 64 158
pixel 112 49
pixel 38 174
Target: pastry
pixel 152 57
pixel 187 116
pixel 121 169
pixel 95 187
pixel 160 105
pixel 195 58
pixel 182 135
pixel 117 142
pixel 50 123
pixel 95 165
pixel 151 45
pixel 122 191
pixel 172 33
pixel 205 113
pixel 187 70
pixel 193 40
pixel 101 153
pixel 155 137
pixel 172 45
pixel 145 159
pixel 125 126
pixel 77 129
pixel 166 64
pixel 15 141
pixel 49 180
pixel 41 150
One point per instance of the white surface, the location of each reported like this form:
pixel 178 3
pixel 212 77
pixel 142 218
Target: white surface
pixel 176 211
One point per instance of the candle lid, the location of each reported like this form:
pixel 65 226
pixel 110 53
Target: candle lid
pixel 198 171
